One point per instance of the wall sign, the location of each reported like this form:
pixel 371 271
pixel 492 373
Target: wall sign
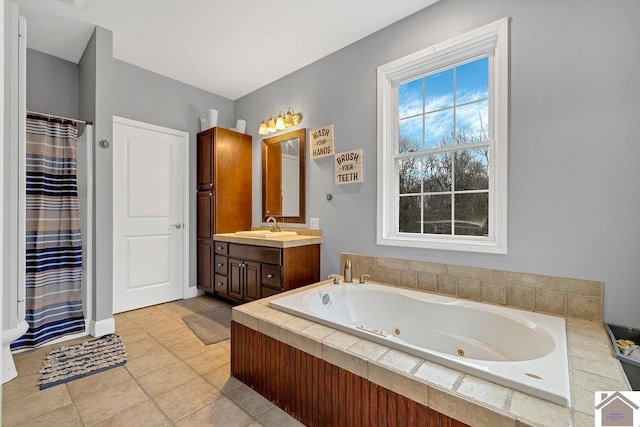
pixel 321 142
pixel 348 167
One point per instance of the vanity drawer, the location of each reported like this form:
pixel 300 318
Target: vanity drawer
pixel 272 275
pixel 220 266
pixel 221 248
pixel 255 253
pixel 267 292
pixel 221 285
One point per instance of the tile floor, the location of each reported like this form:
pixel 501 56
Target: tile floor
pixel 171 379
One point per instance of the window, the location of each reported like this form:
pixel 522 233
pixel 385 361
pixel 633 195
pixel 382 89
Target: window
pixel 442 144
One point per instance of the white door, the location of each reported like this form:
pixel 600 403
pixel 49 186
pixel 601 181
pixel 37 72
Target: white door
pixel 148 214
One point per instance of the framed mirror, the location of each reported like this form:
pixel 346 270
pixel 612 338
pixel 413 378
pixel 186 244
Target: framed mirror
pixel 283 176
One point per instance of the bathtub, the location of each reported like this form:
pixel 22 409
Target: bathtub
pixel 518 349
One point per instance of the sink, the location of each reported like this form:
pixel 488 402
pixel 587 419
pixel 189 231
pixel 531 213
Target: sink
pixel 265 234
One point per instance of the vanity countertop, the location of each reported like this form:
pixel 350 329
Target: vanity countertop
pixel 273 242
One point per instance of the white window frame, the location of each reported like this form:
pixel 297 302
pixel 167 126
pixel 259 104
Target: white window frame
pixel 491 40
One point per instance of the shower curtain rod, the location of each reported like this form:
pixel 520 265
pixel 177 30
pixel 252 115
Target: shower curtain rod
pixel 60 117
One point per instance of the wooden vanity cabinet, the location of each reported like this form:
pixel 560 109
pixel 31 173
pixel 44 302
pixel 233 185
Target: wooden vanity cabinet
pixel 244 279
pixel 223 201
pixel 254 272
pixel 221 268
pixel 204 271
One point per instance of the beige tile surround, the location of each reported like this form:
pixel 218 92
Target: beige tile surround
pixel 560 296
pixel 592 364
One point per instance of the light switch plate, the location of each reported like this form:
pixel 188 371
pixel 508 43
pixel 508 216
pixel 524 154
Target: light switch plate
pixel 314 223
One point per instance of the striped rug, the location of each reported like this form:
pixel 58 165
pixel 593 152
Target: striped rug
pixel 78 361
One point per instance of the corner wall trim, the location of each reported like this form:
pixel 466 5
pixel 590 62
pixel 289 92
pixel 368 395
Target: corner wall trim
pixel 102 327
pixel 192 292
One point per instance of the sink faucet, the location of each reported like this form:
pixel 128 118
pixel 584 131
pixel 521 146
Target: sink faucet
pixel 275 227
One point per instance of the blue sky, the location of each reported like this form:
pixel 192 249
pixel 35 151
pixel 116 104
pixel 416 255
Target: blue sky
pixel 430 101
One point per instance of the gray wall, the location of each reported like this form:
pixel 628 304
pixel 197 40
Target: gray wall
pixel 152 98
pixel 8 156
pixel 573 148
pixel 103 175
pixel 53 85
pixel 61 87
pixel 98 88
pixel 96 105
pixel 572 180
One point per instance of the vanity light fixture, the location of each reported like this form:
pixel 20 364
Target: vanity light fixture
pixel 263 128
pixel 281 122
pixel 288 118
pixel 271 125
pixel 297 117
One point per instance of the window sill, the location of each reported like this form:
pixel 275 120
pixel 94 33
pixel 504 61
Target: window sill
pixel 480 245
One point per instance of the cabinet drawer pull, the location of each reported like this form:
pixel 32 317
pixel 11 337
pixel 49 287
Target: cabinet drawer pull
pixel 269 276
pixel 220 264
pixel 211 184
pixel 220 284
pixel 210 194
pixel 220 248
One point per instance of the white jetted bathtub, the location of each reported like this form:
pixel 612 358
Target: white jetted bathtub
pixel 519 349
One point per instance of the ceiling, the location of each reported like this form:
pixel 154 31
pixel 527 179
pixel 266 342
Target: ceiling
pixel 227 47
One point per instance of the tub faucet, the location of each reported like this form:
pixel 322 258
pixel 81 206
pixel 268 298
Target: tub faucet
pixel 335 277
pixel 363 278
pixel 275 227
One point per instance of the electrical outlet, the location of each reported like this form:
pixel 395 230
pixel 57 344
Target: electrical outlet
pixel 314 223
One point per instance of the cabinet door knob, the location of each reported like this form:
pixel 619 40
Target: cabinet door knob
pixel 210 194
pixel 219 284
pixel 220 264
pixel 219 248
pixel 211 184
pixel 269 276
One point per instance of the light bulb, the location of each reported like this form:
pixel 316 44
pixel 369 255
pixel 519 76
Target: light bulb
pixel 263 128
pixel 288 118
pixel 280 121
pixel 271 125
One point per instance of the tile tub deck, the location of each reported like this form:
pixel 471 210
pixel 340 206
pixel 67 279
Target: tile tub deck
pixel 464 397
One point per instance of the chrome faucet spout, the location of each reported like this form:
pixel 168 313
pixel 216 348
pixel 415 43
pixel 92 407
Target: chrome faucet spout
pixel 275 227
pixel 335 277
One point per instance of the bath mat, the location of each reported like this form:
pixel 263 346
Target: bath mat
pixel 212 325
pixel 80 360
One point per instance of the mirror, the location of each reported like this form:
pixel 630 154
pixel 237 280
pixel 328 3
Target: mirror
pixel 283 176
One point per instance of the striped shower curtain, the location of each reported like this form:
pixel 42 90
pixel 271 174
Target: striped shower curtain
pixel 53 239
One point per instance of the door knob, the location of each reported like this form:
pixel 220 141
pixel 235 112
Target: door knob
pixel 176 225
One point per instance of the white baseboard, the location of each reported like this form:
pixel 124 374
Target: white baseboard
pixel 102 327
pixel 193 292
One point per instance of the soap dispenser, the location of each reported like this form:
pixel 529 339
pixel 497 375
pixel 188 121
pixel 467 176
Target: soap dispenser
pixel 348 276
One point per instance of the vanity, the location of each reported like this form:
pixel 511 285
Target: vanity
pixel 250 268
pixel 243 265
